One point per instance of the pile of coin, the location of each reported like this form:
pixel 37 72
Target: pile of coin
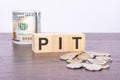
pixel 92 61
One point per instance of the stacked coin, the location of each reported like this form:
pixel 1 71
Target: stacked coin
pixel 92 61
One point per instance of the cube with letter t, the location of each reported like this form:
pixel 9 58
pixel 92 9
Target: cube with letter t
pixel 58 42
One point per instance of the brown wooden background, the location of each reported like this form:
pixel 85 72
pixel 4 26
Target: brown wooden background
pixel 18 62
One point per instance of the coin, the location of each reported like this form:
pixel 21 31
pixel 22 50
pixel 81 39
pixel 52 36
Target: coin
pixel 105 66
pixel 91 61
pixel 84 56
pixel 92 55
pixel 108 59
pixel 101 54
pixel 74 61
pixel 74 65
pixel 68 56
pixel 92 67
pixel 97 61
pixel 90 52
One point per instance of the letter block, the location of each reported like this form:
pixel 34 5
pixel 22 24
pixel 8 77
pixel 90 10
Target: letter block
pixel 58 42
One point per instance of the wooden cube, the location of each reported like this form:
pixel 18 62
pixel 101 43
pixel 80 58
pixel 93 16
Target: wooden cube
pixel 77 42
pixel 58 42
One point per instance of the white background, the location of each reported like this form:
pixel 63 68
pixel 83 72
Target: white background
pixel 66 15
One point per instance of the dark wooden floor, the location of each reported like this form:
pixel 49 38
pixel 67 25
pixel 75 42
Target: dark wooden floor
pixel 18 62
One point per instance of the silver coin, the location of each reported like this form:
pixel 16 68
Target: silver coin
pixel 108 59
pixel 92 67
pixel 97 61
pixel 74 65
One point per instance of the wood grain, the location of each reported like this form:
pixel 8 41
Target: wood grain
pixel 17 62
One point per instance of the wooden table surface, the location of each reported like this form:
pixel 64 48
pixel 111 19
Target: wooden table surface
pixel 18 62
